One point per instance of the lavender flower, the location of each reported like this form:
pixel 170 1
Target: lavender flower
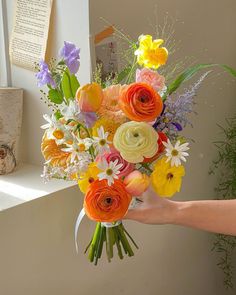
pixel 71 56
pixel 44 76
pixel 174 115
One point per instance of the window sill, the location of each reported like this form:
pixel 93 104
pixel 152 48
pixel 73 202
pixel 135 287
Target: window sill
pixel 26 184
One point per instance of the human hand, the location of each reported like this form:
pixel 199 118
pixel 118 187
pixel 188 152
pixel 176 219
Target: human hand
pixel 153 209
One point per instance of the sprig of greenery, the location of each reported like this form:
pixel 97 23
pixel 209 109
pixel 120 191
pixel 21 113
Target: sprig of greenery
pixel 226 189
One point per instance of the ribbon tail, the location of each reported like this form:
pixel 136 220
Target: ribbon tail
pixel 77 224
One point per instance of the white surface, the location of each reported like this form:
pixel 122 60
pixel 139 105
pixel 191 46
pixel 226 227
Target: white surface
pixel 26 184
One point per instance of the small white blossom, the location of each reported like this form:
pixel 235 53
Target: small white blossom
pixel 176 153
pixel 110 170
pixel 101 142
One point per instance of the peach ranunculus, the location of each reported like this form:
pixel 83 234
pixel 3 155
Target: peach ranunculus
pixel 89 97
pixel 150 77
pixel 136 183
pixel 140 102
pixel 114 155
pixel 110 105
pixel 104 203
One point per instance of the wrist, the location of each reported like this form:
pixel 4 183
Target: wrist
pixel 178 212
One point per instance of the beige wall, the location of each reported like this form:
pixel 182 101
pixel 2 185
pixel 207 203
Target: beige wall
pixel 37 250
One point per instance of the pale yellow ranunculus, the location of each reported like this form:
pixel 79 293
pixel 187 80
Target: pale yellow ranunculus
pixel 150 54
pixel 136 140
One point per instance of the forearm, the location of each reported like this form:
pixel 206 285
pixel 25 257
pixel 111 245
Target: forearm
pixel 213 216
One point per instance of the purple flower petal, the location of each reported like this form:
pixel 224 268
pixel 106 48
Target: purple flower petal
pixel 71 56
pixel 44 76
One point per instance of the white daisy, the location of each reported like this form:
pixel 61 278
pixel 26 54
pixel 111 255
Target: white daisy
pixel 71 111
pixel 110 170
pixel 176 153
pixel 101 142
pixel 79 149
pixel 51 125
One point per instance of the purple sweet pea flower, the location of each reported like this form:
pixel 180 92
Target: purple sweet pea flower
pixel 71 56
pixel 88 118
pixel 44 76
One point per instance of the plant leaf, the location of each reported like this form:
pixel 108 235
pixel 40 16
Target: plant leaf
pixel 55 96
pixel 66 86
pixel 74 84
pixel 190 72
pixel 123 74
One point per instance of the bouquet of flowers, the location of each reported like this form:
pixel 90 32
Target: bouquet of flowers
pixel 117 137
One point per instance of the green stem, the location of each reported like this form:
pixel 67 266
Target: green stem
pixel 129 236
pixel 94 242
pixel 146 166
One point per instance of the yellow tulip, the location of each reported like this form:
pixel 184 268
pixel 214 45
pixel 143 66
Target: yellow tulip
pixel 136 183
pixel 90 97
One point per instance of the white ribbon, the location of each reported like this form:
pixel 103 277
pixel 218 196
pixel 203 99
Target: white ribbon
pixel 111 224
pixel 77 224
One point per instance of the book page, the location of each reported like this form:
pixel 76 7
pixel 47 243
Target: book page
pixel 30 32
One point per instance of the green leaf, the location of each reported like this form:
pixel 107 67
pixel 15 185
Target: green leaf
pixel 124 73
pixel 66 86
pixel 58 115
pixel 190 72
pixel 74 84
pixel 55 96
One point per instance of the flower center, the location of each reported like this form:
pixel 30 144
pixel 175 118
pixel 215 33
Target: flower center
pixel 58 134
pixel 108 201
pixel 109 171
pixel 174 153
pixel 102 142
pixel 81 147
pixel 169 176
pixel 136 134
pixel 113 102
pixel 143 99
pixel 91 179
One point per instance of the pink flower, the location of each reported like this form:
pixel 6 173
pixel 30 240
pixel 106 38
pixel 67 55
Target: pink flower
pixel 150 77
pixel 114 155
pixel 136 183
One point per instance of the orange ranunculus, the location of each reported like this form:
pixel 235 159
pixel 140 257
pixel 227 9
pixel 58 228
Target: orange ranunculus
pixel 104 203
pixel 161 138
pixel 140 102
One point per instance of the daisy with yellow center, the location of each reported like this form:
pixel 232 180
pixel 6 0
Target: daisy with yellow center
pixel 101 141
pixel 150 54
pixel 110 171
pixel 166 180
pixel 177 153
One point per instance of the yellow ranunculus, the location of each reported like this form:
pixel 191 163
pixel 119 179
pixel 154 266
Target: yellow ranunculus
pixel 136 140
pixel 90 97
pixel 166 180
pixel 86 178
pixel 108 125
pixel 150 54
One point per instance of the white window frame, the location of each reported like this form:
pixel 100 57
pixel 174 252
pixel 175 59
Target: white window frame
pixel 5 68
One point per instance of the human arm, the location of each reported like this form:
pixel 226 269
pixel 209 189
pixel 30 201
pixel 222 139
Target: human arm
pixel 214 216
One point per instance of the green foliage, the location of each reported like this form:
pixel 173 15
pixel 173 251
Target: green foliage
pixel 55 96
pixel 226 189
pixel 190 72
pixel 69 85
